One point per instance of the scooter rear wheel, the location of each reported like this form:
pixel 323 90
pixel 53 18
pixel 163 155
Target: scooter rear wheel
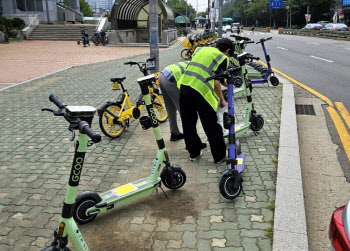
pixel 226 187
pixel 179 179
pixel 81 205
pixel 274 80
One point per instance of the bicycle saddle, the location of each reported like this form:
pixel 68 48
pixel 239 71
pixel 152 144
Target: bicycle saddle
pixel 120 79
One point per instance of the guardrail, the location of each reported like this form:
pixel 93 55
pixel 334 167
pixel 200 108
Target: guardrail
pixel 319 33
pixel 77 15
pixel 29 29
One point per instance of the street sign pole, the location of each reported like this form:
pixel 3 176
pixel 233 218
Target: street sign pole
pixel 220 19
pixel 153 32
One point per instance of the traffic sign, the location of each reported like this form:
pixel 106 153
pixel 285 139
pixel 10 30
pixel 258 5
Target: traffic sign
pixel 346 2
pixel 276 4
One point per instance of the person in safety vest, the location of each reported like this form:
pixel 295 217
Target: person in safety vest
pixel 168 84
pixel 200 97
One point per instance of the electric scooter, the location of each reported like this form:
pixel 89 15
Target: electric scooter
pixel 268 71
pixel 89 204
pixel 79 118
pixel 252 120
pixel 230 185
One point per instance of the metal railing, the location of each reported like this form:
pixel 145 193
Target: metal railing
pixel 78 15
pixel 29 29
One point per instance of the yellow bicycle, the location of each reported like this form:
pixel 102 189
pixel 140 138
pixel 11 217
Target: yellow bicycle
pixel 114 116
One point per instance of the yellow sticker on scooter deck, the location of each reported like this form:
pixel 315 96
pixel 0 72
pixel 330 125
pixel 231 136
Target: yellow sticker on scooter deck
pixel 124 189
pixel 239 161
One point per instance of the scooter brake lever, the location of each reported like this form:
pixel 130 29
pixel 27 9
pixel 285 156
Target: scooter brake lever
pixel 73 134
pixel 47 110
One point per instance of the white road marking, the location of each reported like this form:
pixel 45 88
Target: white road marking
pixel 330 61
pixel 287 39
pixel 313 43
pixel 282 48
pixel 347 48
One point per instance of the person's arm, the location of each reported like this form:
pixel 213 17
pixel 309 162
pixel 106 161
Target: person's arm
pixel 217 89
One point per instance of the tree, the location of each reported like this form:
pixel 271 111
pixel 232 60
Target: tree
pixel 85 8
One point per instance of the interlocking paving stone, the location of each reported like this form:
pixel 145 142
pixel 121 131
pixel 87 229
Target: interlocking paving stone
pixel 36 155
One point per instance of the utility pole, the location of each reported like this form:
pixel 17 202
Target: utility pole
pixel 220 19
pixel 290 17
pixel 307 13
pixel 153 32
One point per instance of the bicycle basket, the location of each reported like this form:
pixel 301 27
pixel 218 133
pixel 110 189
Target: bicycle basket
pixel 185 43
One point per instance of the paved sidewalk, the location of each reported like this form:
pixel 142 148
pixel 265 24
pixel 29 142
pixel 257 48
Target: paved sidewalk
pixel 26 60
pixel 36 156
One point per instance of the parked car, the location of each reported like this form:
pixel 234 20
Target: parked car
pixel 313 26
pixel 227 28
pixel 223 29
pixel 339 228
pixel 235 27
pixel 323 23
pixel 336 27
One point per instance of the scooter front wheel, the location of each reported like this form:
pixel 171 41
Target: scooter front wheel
pixel 274 80
pixel 257 124
pixel 175 182
pixel 81 206
pixel 226 187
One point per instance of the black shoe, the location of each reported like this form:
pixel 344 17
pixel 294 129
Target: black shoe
pixel 175 137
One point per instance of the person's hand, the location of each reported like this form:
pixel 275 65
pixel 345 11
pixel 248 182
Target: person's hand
pixel 223 103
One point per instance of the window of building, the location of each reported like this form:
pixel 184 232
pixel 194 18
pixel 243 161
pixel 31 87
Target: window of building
pixel 29 5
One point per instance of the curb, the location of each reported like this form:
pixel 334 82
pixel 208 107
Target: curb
pixel 289 219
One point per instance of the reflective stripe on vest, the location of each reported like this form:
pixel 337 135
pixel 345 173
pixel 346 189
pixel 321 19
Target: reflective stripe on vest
pixel 203 65
pixel 177 69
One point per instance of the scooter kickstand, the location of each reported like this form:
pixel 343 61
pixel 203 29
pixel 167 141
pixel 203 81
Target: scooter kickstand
pixel 166 196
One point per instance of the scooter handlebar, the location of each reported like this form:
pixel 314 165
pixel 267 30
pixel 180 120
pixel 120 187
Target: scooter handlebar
pixel 54 99
pixel 85 128
pixel 224 74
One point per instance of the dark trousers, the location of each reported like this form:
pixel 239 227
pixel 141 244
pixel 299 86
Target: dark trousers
pixel 190 107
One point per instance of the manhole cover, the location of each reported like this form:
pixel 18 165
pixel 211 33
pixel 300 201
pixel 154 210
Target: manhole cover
pixel 305 110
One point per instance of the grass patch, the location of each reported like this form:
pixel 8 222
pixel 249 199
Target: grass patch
pixel 14 40
pixel 269 233
pixel 272 206
pixel 275 160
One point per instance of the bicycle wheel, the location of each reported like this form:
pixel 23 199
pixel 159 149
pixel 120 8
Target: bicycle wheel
pixel 186 54
pixel 159 107
pixel 110 126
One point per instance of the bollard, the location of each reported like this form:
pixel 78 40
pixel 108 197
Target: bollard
pixel 280 30
pixel 267 29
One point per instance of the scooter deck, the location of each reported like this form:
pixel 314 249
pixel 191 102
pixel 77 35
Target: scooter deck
pixel 241 128
pixel 240 162
pixel 135 189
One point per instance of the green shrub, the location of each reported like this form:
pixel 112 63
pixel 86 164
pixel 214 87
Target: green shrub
pixel 9 24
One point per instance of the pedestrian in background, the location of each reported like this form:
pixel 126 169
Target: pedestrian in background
pixel 253 28
pixel 199 97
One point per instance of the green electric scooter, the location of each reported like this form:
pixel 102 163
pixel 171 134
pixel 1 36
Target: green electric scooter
pixel 89 204
pixel 85 207
pixel 252 120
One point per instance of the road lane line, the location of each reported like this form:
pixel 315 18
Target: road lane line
pixel 338 123
pixel 282 48
pixel 344 112
pixel 330 61
pixel 347 48
pixel 343 133
pixel 313 43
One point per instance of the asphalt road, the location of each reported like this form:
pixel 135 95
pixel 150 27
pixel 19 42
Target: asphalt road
pixel 322 64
